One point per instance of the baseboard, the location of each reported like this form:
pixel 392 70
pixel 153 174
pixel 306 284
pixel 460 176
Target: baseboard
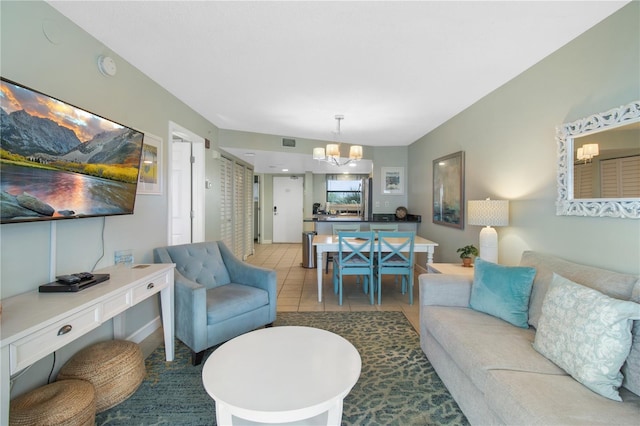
pixel 145 331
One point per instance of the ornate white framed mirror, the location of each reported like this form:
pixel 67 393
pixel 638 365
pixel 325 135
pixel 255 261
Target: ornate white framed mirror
pixel 599 164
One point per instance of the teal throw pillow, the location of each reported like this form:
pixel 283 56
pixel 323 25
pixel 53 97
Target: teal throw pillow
pixel 502 291
pixel 587 334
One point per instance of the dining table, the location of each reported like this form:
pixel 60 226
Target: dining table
pixel 329 243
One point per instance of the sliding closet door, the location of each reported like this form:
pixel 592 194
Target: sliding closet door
pixel 248 216
pixel 236 207
pixel 226 201
pixel 238 210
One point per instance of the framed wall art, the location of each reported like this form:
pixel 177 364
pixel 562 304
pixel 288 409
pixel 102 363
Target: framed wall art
pixel 150 179
pixel 448 190
pixel 392 180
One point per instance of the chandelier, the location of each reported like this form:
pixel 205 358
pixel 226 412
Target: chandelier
pixel 332 153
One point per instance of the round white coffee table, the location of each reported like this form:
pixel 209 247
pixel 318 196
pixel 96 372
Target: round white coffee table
pixel 280 375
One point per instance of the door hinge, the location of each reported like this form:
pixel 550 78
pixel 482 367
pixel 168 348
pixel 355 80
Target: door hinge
pixel 192 214
pixel 192 159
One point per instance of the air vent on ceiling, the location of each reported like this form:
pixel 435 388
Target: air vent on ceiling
pixel 289 142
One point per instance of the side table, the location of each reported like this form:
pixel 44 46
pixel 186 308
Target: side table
pixel 281 375
pixel 449 268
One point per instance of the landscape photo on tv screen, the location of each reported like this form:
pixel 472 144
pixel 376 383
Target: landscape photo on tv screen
pixel 58 161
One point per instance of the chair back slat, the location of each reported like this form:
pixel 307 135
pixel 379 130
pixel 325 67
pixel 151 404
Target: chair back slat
pixel 350 227
pixel 354 248
pixel 376 227
pixel 393 253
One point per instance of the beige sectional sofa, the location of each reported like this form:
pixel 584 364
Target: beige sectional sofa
pixel 491 367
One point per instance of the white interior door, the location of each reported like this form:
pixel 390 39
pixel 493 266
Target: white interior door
pixel 287 209
pixel 186 186
pixel 181 191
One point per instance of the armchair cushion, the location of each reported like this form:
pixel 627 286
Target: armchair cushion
pixel 231 300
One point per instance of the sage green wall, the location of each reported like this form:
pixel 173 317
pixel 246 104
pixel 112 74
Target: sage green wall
pixel 67 69
pixel 510 148
pixel 396 156
pixel 267 142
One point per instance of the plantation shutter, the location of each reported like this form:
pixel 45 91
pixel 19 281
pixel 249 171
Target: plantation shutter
pixel 226 202
pixel 583 181
pixel 248 217
pixel 620 177
pixel 238 210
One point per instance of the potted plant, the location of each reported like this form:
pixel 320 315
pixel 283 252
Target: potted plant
pixel 467 253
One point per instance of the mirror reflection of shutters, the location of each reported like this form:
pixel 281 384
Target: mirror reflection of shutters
pixel 620 177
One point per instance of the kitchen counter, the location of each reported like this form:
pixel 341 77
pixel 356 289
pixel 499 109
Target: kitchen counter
pixel 377 218
pixel 323 224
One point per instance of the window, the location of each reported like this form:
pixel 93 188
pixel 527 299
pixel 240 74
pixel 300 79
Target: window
pixel 344 192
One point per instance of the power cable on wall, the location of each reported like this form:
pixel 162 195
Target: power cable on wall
pixel 102 239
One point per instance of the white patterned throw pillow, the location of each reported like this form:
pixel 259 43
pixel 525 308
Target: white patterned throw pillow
pixel 587 334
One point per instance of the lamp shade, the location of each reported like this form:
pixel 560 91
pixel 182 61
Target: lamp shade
pixel 590 150
pixel 488 212
pixel 333 150
pixel 318 153
pixel 355 152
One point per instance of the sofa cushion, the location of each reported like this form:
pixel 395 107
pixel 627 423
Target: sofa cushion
pixel 631 368
pixel 612 284
pixel 228 301
pixel 523 398
pixel 502 291
pixel 587 334
pixel 478 343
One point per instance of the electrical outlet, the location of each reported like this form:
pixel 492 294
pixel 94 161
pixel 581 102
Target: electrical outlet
pixel 377 203
pixel 386 204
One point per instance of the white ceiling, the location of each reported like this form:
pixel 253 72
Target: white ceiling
pixel 396 70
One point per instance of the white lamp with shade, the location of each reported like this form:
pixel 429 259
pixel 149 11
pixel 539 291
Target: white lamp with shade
pixel 488 213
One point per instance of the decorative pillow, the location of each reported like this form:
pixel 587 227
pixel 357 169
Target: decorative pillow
pixel 631 368
pixel 502 291
pixel 587 334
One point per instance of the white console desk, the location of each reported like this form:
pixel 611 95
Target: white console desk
pixel 34 325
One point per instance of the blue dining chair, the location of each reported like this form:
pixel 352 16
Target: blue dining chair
pixel 354 257
pixel 390 227
pixel 351 227
pixel 395 259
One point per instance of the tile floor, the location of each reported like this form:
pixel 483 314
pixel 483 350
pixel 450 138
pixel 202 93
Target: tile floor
pixel 298 290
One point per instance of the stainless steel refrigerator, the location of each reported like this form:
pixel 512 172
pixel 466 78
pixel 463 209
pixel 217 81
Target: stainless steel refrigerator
pixel 367 198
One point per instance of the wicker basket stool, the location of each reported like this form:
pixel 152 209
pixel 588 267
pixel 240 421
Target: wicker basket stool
pixel 114 367
pixel 67 402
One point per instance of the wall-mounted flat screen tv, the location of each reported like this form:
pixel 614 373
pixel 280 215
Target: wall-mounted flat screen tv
pixel 58 161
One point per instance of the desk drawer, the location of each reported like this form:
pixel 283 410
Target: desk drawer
pixel 116 305
pixel 39 344
pixel 149 288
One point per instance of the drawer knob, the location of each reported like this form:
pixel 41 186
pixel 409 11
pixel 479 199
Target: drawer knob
pixel 150 286
pixel 64 330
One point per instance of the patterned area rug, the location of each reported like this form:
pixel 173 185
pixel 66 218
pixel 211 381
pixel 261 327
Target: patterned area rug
pixel 397 385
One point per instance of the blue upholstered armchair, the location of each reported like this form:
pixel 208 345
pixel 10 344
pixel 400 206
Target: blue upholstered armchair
pixel 217 296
